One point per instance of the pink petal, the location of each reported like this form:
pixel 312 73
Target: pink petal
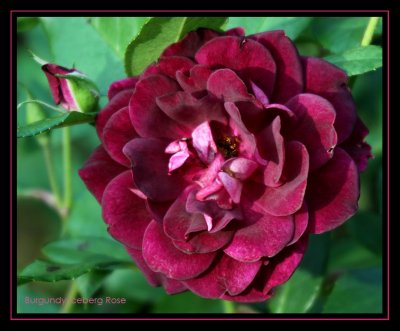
pixel 232 185
pixel 120 85
pixel 125 212
pixel 180 152
pixel 147 118
pixel 249 59
pixel 98 171
pixel 355 146
pixel 161 256
pixel 259 94
pixel 272 148
pixel 289 75
pixel 300 223
pixel 189 111
pixel 240 167
pixel 314 127
pixel 227 276
pixel 227 86
pixel 275 109
pixel 189 45
pixel 330 82
pixel 333 193
pixel 203 142
pixel 288 198
pixel 119 101
pixel 150 166
pixel 117 132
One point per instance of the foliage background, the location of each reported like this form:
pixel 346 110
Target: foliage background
pixel 342 271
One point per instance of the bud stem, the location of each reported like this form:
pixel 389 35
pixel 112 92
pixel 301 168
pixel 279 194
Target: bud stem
pixel 369 31
pixel 229 307
pixel 50 172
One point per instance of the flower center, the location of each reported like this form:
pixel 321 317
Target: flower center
pixel 228 146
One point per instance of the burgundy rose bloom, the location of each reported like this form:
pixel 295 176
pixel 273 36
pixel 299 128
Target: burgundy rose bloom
pixel 220 159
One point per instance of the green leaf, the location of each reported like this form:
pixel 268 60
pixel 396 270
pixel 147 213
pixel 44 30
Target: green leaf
pixel 160 32
pixel 357 292
pixel 85 218
pixel 26 23
pixel 338 34
pixel 358 60
pixel 301 293
pixel 66 119
pixel 118 31
pixel 292 26
pixel 366 227
pixel 46 271
pixel 135 286
pixel 187 303
pixel 88 284
pixel 84 249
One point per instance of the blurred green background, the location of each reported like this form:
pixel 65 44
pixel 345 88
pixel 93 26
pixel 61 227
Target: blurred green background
pixel 342 271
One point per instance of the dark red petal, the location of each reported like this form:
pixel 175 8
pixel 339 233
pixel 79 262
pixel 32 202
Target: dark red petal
pixel 333 193
pixel 119 101
pixel 300 223
pixel 171 64
pixel 117 132
pixel 288 198
pixel 147 119
pixel 196 81
pixel 250 60
pixel 313 127
pixel 272 148
pixel 330 82
pixel 161 256
pixel 289 71
pixel 356 147
pixel 120 85
pixel 189 45
pixel 189 111
pixel 98 171
pixel 283 265
pixel 227 276
pixel 150 166
pixel 124 211
pixel 56 89
pixel 238 31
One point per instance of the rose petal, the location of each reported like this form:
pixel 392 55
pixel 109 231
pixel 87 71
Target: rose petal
pixel 314 127
pixel 125 212
pixel 227 276
pixel 120 85
pixel 289 75
pixel 232 185
pixel 161 256
pixel 157 209
pixel 259 94
pixel 330 82
pixel 171 64
pixel 248 58
pixel 288 198
pixel 147 118
pixel 240 167
pixel 117 132
pixel 150 166
pixel 272 148
pixel 189 45
pixel 238 31
pixel 119 101
pixel 300 223
pixel 98 171
pixel 189 111
pixel 197 80
pixel 356 147
pixel 203 142
pixel 333 193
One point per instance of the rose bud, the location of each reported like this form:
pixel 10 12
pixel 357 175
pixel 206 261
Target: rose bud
pixel 71 88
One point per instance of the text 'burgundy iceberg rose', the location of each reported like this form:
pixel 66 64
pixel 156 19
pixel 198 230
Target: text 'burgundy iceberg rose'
pixel 218 161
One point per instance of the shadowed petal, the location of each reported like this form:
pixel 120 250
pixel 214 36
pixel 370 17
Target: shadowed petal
pixel 161 256
pixel 120 85
pixel 98 171
pixel 300 223
pixel 333 193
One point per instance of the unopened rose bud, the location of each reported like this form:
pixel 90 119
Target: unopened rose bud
pixel 71 88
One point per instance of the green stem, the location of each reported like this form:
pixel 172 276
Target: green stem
pixel 71 294
pixel 50 172
pixel 67 168
pixel 229 307
pixel 369 31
